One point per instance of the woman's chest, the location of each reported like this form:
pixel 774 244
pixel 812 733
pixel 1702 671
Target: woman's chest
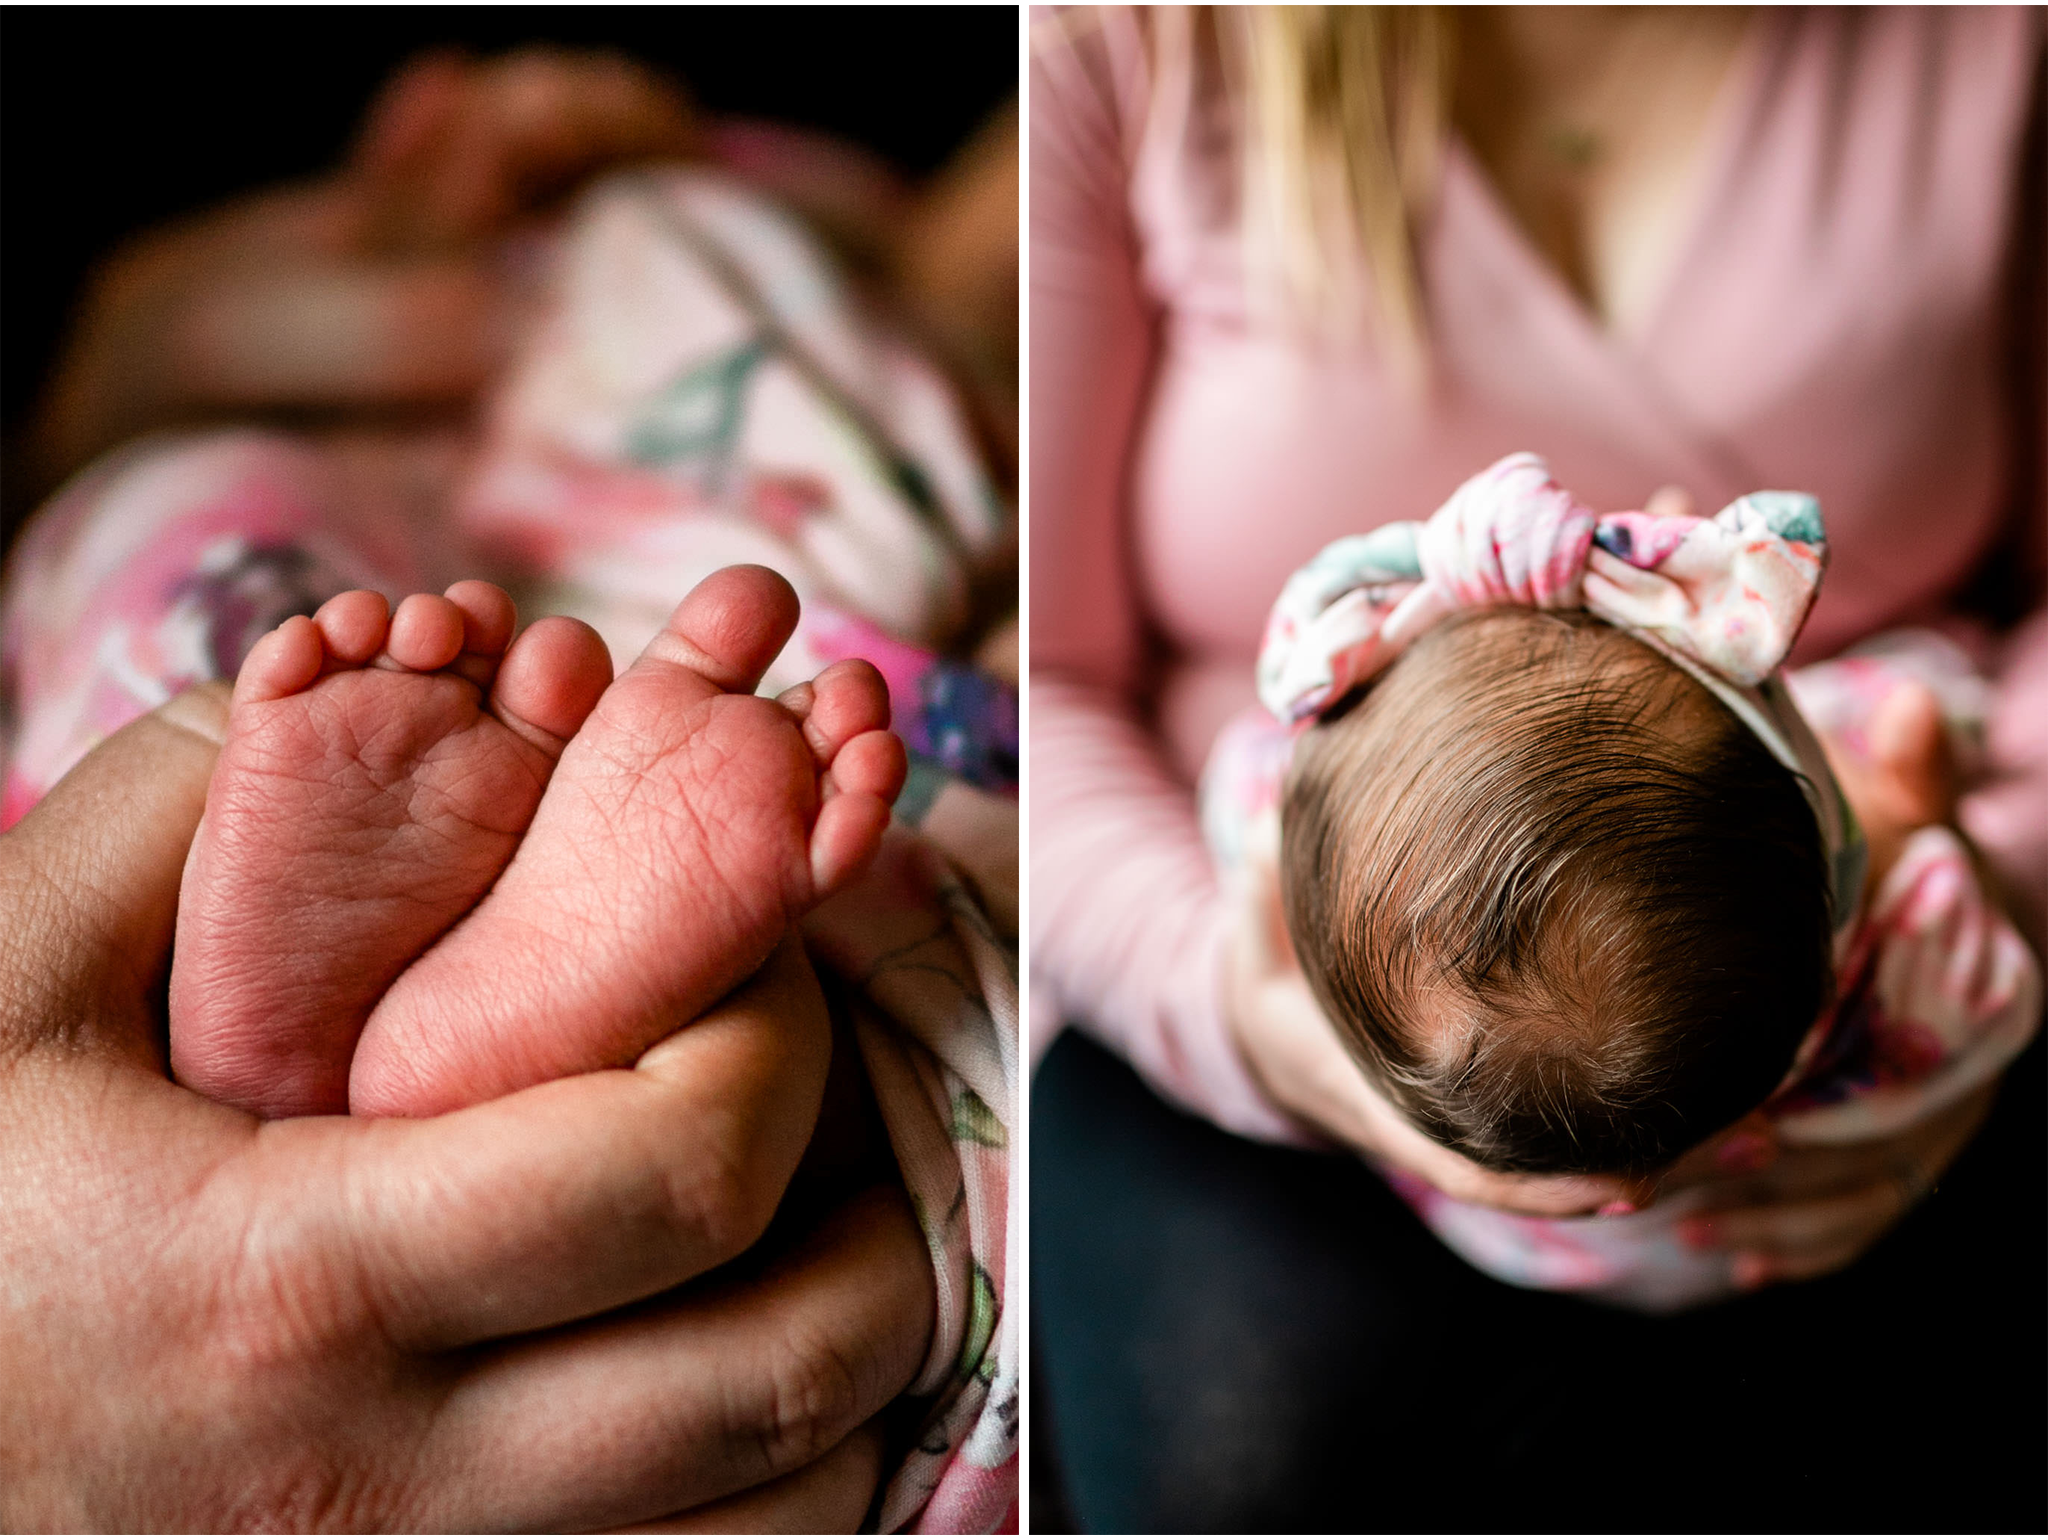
pixel 1830 323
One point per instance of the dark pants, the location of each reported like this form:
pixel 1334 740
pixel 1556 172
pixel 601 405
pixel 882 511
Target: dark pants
pixel 1236 1337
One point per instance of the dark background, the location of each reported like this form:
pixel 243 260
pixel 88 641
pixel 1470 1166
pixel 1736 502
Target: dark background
pixel 112 118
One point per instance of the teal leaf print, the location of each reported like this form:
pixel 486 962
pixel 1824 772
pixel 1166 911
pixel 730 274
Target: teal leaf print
pixel 698 415
pixel 981 1326
pixel 976 1123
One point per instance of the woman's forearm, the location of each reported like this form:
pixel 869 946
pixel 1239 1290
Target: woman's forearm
pixel 1127 921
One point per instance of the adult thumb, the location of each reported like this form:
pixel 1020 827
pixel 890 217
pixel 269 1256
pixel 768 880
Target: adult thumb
pixel 343 335
pixel 89 885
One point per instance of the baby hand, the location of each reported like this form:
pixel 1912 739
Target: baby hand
pixel 1793 1212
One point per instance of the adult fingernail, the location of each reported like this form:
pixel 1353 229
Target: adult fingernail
pixel 1750 1271
pixel 1744 1152
pixel 1614 1210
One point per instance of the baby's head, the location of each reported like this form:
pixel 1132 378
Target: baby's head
pixel 1569 912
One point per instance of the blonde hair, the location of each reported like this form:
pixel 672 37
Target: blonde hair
pixel 1339 113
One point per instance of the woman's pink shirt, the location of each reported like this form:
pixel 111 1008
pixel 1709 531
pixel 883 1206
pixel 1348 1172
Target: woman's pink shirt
pixel 1835 318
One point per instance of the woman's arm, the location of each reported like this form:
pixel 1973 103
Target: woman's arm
pixel 1127 923
pixel 372 290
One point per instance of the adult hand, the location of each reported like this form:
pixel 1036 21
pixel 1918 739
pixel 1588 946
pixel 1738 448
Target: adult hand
pixel 210 1323
pixel 1295 1054
pixel 1900 778
pixel 1788 1212
pixel 1802 1211
pixel 370 291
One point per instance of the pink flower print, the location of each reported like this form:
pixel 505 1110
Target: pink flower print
pixel 782 501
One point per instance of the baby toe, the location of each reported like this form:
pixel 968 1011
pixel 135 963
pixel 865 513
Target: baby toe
pixel 871 764
pixel 426 633
pixel 488 616
pixel 282 663
pixel 843 702
pixel 729 628
pixel 551 680
pixel 845 838
pixel 353 625
pixel 489 619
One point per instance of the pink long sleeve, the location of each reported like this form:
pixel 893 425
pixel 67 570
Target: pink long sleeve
pixel 1127 924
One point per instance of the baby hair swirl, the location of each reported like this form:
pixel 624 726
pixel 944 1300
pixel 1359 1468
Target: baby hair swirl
pixel 1565 908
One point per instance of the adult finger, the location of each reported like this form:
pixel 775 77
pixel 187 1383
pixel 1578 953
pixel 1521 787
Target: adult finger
pixel 1754 1269
pixel 556 114
pixel 521 129
pixel 1746 1146
pixel 1555 1197
pixel 830 1496
pixel 1911 1163
pixel 573 1197
pixel 89 883
pixel 700 1395
pixel 412 110
pixel 340 334
pixel 1787 1230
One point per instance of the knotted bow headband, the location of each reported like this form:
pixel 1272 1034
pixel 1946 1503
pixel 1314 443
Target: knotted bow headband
pixel 1723 598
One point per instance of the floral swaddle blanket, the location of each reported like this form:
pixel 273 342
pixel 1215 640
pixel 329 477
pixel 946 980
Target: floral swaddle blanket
pixel 697 387
pixel 1936 992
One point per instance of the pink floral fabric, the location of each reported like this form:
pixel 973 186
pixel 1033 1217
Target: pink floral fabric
pixel 1723 598
pixel 1727 593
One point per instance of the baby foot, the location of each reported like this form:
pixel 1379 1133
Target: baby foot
pixel 378 773
pixel 688 825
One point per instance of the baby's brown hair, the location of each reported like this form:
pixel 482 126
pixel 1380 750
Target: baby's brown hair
pixel 1569 912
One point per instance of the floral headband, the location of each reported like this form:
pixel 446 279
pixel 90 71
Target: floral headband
pixel 1723 598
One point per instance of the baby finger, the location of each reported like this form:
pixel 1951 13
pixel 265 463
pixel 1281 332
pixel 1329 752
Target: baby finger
pixel 1792 1229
